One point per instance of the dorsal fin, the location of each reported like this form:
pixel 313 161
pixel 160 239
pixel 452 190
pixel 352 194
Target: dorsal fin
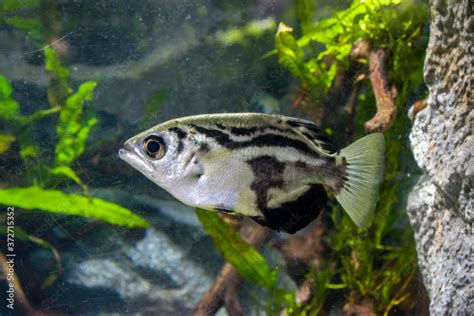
pixel 313 134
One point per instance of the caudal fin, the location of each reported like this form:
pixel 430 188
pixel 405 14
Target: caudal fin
pixel 365 165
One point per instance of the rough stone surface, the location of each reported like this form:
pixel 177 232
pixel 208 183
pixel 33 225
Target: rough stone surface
pixel 153 274
pixel 440 207
pixel 109 270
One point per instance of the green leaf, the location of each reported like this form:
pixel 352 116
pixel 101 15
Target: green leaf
pixel 71 129
pixel 248 262
pixel 41 114
pixel 58 87
pixel 5 142
pixel 242 34
pixel 290 55
pixel 15 5
pixel 67 172
pixel 53 64
pixel 9 108
pixel 27 145
pixel 5 88
pixel 32 27
pixel 304 13
pixel 54 201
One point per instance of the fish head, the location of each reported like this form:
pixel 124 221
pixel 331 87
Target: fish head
pixel 168 156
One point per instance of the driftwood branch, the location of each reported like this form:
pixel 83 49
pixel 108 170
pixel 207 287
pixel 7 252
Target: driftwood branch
pixel 224 291
pixel 214 297
pixel 384 94
pixel 303 253
pixel 352 100
pixel 305 292
pixel 415 108
pixel 366 309
pixel 20 296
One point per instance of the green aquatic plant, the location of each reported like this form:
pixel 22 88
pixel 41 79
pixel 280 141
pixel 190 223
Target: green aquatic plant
pixel 243 34
pixel 248 262
pixel 245 258
pixel 325 46
pixel 11 14
pixel 39 176
pixel 73 131
pixel 372 266
pixel 56 201
pixel 73 126
pixel 72 136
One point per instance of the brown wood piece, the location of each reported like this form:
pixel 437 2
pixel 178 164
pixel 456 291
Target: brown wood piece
pixel 20 296
pixel 384 94
pixel 417 107
pixel 350 309
pixel 224 291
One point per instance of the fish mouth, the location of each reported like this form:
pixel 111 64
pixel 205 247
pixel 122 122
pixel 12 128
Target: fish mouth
pixel 126 151
pixel 129 154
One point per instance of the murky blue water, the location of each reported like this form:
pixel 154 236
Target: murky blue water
pixel 153 61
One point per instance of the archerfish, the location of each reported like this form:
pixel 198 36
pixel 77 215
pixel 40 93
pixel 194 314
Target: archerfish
pixel 272 168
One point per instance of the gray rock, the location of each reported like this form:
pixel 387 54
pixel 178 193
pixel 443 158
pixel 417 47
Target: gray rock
pixel 164 269
pixel 153 273
pixel 440 206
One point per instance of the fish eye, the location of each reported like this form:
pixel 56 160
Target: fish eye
pixel 154 146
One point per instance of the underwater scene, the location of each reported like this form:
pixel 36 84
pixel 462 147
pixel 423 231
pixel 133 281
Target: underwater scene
pixel 257 157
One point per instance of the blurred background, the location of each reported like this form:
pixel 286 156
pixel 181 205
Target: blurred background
pixel 93 236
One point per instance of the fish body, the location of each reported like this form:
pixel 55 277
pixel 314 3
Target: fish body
pixel 272 168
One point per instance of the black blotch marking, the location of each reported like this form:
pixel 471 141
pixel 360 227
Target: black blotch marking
pixel 219 125
pixel 263 140
pixel 301 164
pixel 295 215
pixel 243 131
pixel 279 129
pixel 204 148
pixel 268 173
pixel 294 123
pixel 308 135
pixel 326 142
pixel 344 175
pixel 223 210
pixel 179 132
pixel 316 133
pixel 181 135
pixel 277 141
pixel 201 173
pixel 221 138
pixel 180 147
